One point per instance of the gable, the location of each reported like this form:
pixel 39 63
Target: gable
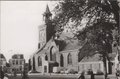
pixel 46 48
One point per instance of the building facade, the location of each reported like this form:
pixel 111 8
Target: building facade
pixel 17 63
pixel 53 52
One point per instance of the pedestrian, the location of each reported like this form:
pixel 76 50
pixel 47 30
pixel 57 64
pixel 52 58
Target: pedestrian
pixel 92 75
pixel 81 76
pixel 2 74
pixel 15 74
pixel 6 76
pixel 25 75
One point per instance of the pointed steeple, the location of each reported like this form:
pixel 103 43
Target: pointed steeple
pixel 47 10
pixel 47 13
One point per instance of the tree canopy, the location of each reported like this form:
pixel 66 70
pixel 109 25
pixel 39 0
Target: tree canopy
pixel 97 18
pixel 100 16
pixel 94 10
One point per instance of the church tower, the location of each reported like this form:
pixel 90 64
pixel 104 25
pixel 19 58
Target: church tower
pixel 46 31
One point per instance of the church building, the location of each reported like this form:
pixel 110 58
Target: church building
pixel 50 54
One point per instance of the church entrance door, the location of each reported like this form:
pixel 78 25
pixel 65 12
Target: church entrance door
pixel 45 69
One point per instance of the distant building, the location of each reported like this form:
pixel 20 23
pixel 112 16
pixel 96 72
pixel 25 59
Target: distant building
pixel 17 63
pixel 2 60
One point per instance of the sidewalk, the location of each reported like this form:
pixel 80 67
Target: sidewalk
pixel 70 75
pixel 67 76
pixel 63 74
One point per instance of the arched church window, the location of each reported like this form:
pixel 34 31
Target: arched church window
pixel 69 59
pixel 52 54
pixel 61 60
pixel 39 61
pixel 46 57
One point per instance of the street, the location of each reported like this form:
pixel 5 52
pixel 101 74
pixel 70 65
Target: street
pixel 61 77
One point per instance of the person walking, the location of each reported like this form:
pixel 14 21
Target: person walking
pixel 25 75
pixel 6 76
pixel 2 74
pixel 15 74
pixel 81 76
pixel 92 75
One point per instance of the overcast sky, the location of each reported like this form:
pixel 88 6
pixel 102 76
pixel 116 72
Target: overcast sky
pixel 19 26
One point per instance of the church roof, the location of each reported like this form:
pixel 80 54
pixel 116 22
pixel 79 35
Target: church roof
pixel 43 50
pixel 72 45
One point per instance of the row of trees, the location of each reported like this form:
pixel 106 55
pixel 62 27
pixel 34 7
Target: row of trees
pixel 97 18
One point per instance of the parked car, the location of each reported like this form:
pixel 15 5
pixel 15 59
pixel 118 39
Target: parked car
pixel 56 69
pixel 89 71
pixel 99 72
pixel 62 72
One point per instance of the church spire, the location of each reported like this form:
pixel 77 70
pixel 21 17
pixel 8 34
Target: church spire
pixel 47 10
pixel 47 14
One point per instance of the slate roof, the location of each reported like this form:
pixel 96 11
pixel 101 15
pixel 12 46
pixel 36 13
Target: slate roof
pixel 72 45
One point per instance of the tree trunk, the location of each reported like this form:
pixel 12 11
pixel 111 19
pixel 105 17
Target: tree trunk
pixel 119 30
pixel 105 67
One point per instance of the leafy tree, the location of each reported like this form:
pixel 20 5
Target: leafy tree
pixel 100 18
pixel 7 65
